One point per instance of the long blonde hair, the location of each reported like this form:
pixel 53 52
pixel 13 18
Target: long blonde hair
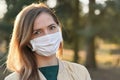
pixel 20 58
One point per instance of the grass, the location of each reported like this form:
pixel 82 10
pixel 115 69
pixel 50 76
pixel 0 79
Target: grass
pixel 103 60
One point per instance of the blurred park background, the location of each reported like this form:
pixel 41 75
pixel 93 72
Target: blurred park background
pixel 91 32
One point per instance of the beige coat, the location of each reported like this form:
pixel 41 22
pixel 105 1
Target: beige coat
pixel 67 71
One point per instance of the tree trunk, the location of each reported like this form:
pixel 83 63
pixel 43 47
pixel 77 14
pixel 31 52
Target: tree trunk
pixel 75 29
pixel 90 42
pixel 76 49
pixel 90 49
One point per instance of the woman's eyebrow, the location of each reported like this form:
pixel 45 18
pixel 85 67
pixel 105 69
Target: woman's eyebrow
pixel 36 30
pixel 51 25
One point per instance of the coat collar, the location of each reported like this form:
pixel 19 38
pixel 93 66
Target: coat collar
pixel 61 69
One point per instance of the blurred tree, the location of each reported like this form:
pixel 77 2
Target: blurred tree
pixel 75 24
pixel 5 30
pixel 110 17
pixel 105 25
pixel 90 37
pixel 69 12
pixel 14 6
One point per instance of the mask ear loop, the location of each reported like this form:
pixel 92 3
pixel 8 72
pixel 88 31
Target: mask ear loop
pixel 29 45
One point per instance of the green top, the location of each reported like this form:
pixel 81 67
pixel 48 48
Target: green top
pixel 50 72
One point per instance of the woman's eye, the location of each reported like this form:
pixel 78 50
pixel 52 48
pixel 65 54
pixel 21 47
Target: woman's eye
pixel 52 27
pixel 36 32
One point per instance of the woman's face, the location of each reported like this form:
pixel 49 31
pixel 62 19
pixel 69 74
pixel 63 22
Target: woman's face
pixel 43 25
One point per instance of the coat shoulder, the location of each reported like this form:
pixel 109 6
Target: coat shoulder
pixel 74 65
pixel 77 69
pixel 12 76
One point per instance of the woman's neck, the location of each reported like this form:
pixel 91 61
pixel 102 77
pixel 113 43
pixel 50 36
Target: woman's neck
pixel 43 61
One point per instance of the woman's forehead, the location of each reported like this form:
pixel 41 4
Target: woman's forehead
pixel 43 20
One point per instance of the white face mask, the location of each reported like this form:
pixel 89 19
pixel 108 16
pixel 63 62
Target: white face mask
pixel 47 45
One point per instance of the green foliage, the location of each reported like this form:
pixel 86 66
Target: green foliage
pixel 107 23
pixel 67 12
pixel 5 30
pixel 14 6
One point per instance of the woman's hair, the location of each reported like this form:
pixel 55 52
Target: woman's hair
pixel 21 58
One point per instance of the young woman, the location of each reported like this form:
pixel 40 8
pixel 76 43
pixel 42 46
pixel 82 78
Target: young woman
pixel 35 42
